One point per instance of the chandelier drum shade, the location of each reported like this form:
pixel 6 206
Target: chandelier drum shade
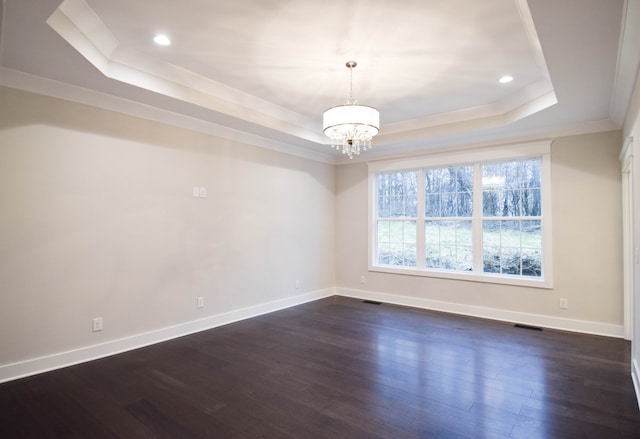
pixel 351 126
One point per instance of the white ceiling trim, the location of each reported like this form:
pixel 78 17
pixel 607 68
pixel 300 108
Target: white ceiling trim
pixel 448 144
pixel 83 29
pixel 536 97
pixel 60 90
pixel 532 35
pixel 627 62
pixel 78 24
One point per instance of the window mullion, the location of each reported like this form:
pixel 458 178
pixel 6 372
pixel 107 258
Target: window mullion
pixel 420 221
pixel 476 224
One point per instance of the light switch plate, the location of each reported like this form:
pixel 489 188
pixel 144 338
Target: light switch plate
pixel 96 324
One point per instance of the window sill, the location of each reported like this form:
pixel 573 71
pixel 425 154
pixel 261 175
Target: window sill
pixel 470 277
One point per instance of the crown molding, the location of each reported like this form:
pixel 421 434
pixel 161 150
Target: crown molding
pixel 61 90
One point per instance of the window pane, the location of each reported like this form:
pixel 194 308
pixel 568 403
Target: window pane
pixel 491 202
pixel 398 195
pixel 447 180
pixel 512 247
pixel 432 233
pixel 449 206
pixel 384 231
pixel 433 257
pixel 511 205
pixel 532 262
pixel 383 207
pixel 433 205
pixel 411 205
pixel 532 248
pixel 463 233
pixel 465 179
pixel 491 260
pixel 531 174
pixel 511 188
pixel 448 245
pixel 531 202
pixel 432 181
pixel 491 233
pixel 532 234
pixel 396 243
pixel 465 204
pixel 449 192
pixel 397 206
pixel 510 260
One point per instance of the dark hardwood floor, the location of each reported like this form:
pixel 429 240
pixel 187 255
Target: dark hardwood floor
pixel 340 368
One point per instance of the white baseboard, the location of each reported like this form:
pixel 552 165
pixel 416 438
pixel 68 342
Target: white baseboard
pixel 582 326
pixel 59 360
pixel 635 376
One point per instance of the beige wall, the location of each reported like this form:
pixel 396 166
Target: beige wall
pixel 98 220
pixel 632 129
pixel 586 188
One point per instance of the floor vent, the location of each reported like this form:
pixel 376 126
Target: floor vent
pixel 532 328
pixel 372 302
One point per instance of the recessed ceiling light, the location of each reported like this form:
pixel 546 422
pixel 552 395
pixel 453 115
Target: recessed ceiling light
pixel 162 40
pixel 505 79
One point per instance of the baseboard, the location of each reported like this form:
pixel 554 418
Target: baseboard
pixel 635 376
pixel 582 326
pixel 59 360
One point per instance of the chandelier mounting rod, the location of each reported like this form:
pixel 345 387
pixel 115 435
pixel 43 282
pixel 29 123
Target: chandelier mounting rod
pixel 351 65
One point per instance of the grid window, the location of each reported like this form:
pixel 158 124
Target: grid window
pixel 512 213
pixel 448 215
pixel 397 210
pixel 481 220
pixel 448 245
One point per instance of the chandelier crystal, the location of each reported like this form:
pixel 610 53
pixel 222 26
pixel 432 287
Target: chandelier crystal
pixel 351 126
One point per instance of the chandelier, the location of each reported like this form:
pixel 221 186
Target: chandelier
pixel 351 126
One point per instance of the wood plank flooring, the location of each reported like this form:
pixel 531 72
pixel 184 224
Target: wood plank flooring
pixel 340 368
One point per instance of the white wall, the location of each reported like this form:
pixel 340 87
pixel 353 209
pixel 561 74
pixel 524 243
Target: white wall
pixel 97 219
pixel 587 237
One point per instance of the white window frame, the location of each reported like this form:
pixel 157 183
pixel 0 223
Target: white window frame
pixel 481 155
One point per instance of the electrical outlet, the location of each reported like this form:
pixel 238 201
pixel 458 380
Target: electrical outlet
pixel 363 279
pixel 200 302
pixel 564 303
pixel 203 192
pixel 196 192
pixel 97 324
pixel 297 284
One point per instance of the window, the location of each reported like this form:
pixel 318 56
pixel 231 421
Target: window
pixel 448 218
pixel 397 216
pixel 512 218
pixel 478 216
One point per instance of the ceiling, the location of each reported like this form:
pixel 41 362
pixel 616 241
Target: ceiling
pixel 263 71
